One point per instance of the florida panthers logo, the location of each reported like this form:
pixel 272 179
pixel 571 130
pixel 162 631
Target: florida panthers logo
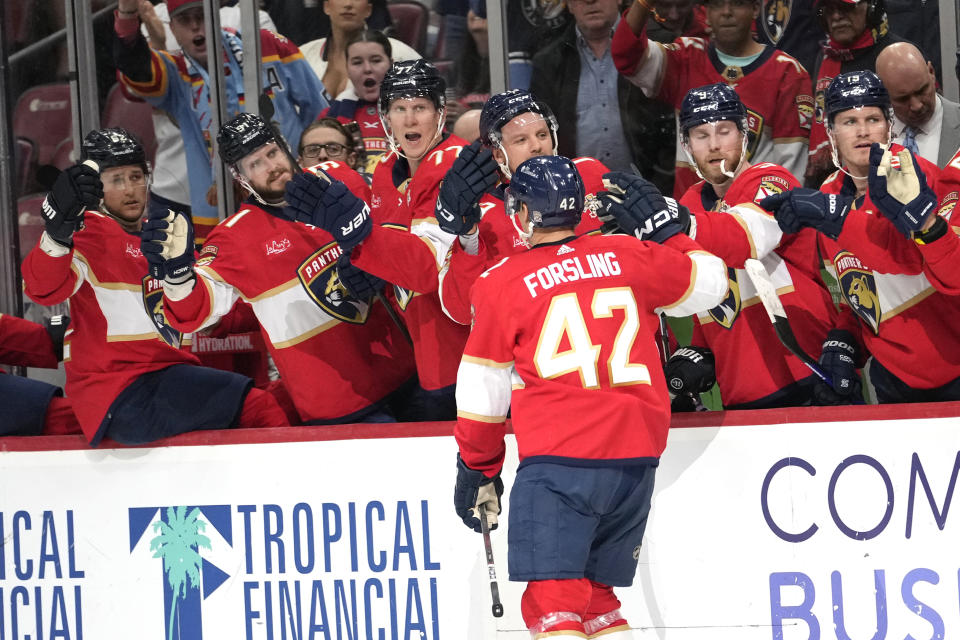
pixel 754 131
pixel 725 314
pixel 538 13
pixel 404 296
pixel 776 15
pixel 859 289
pixel 153 304
pixel 320 279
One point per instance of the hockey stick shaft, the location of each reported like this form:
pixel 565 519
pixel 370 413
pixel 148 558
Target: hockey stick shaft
pixel 665 348
pixel 491 567
pixel 266 112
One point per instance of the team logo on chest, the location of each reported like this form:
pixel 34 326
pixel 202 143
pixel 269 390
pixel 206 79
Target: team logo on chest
pixel 859 289
pixel 153 304
pixel 776 15
pixel 725 314
pixel 320 279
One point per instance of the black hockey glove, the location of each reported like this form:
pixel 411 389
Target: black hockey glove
pixel 636 207
pixel 473 173
pixel 359 283
pixel 838 358
pixel 473 489
pixel 167 244
pixel 690 370
pixel 75 190
pixel 328 205
pixel 900 190
pixel 57 329
pixel 800 207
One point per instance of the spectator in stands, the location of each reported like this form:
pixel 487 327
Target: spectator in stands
pixel 857 31
pixel 172 82
pixel 678 18
pixel 600 112
pixel 774 87
pixel 327 139
pixel 338 353
pixel 127 376
pixel 791 27
pixel 925 123
pixel 471 73
pixel 170 187
pixel 32 407
pixel 328 56
pixel 455 27
pixel 369 55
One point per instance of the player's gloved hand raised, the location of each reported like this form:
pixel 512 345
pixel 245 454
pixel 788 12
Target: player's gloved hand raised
pixel 329 205
pixel 360 284
pixel 473 489
pixel 838 358
pixel 800 207
pixel 473 173
pixel 167 244
pixel 690 370
pixel 899 189
pixel 75 190
pixel 636 207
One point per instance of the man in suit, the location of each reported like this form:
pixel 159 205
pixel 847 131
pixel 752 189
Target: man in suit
pixel 924 122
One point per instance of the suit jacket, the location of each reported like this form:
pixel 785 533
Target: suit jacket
pixel 949 131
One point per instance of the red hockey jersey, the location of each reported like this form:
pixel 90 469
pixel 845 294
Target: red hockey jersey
pixel 337 355
pixel 775 88
pixel 892 304
pixel 499 239
pixel 407 249
pixel 738 330
pixel 367 117
pixel 25 344
pixel 562 338
pixel 118 330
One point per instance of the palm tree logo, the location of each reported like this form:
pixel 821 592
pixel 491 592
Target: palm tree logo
pixel 178 542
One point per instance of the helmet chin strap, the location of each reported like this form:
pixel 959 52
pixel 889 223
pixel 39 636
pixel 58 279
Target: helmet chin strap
pixel 524 235
pixel 397 149
pixel 729 174
pixel 505 165
pixel 249 187
pixel 836 156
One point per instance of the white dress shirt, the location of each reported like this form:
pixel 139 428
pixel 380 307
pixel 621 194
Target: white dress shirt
pixel 927 135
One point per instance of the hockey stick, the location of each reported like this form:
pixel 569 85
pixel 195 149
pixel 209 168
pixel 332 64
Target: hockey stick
pixel 266 113
pixel 665 347
pixel 491 568
pixel 771 302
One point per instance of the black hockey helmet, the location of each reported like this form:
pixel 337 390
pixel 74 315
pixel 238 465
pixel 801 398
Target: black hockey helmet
pixel 412 79
pixel 856 89
pixel 501 108
pixel 113 148
pixel 712 103
pixel 241 136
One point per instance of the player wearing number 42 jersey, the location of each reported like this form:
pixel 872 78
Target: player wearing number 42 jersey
pixel 562 337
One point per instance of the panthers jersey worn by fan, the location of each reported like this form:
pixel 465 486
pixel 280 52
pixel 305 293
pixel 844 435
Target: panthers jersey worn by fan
pixel 900 315
pixel 407 248
pixel 366 116
pixel 775 88
pixel 738 330
pixel 499 239
pixel 117 330
pixel 338 356
pixel 568 327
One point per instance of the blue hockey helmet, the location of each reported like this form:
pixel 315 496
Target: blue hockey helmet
pixel 712 103
pixel 501 108
pixel 856 89
pixel 552 189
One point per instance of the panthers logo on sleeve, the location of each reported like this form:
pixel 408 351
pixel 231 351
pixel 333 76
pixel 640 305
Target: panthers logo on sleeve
pixel 806 111
pixel 153 304
pixel 771 185
pixel 754 131
pixel 859 288
pixel 320 279
pixel 726 313
pixel 774 18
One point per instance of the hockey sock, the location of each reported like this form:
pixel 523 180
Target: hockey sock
pixel 260 409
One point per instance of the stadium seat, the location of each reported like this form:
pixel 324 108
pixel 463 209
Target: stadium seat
pixel 136 116
pixel 42 116
pixel 30 221
pixel 410 21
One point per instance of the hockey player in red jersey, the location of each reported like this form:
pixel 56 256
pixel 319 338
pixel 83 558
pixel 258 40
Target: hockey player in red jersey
pixel 126 375
pixel 403 245
pixel 337 351
pixel 773 85
pixel 876 248
pixel 514 126
pixel 725 220
pixel 562 339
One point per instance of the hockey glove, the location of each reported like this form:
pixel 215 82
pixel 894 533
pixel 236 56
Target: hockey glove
pixel 635 206
pixel 473 489
pixel 838 358
pixel 800 207
pixel 75 190
pixel 167 244
pixel 690 370
pixel 360 284
pixel 900 190
pixel 473 173
pixel 328 205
